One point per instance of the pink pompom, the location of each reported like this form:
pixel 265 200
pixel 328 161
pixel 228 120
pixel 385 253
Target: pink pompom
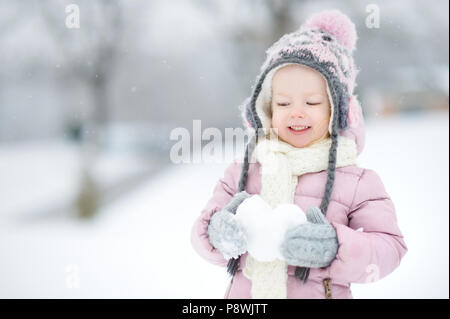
pixel 337 24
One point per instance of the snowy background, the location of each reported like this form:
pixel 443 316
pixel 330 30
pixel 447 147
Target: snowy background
pixel 91 205
pixel 139 245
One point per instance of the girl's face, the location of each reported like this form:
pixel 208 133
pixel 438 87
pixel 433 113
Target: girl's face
pixel 299 98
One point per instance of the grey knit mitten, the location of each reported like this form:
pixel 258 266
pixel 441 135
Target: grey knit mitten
pixel 225 233
pixel 312 244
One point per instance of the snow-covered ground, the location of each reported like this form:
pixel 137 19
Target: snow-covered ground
pixel 139 245
pixel 37 176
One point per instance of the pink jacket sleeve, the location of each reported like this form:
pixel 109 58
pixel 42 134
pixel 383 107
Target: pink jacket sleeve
pixel 223 192
pixel 373 253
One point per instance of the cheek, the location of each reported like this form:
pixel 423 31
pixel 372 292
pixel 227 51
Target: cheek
pixel 277 119
pixel 321 119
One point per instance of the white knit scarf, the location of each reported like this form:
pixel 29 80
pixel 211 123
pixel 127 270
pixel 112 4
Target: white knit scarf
pixel 281 164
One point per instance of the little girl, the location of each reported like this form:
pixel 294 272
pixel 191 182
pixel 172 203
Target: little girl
pixel 304 94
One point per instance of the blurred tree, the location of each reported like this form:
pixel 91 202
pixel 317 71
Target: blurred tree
pixel 90 52
pixel 89 55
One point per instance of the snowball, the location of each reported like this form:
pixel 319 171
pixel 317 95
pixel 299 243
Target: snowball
pixel 266 227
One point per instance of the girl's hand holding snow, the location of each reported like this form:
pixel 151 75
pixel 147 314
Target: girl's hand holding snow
pixel 225 233
pixel 313 244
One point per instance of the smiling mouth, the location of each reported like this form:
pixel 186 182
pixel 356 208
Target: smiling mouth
pixel 299 128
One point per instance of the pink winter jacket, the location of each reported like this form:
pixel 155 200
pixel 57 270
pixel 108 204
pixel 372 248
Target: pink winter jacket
pixel 371 244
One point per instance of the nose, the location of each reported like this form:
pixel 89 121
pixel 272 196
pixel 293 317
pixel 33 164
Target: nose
pixel 298 111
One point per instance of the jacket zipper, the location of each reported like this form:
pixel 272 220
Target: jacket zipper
pixel 327 285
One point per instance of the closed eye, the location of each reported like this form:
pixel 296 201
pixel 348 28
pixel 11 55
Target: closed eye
pixel 283 104
pixel 311 103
